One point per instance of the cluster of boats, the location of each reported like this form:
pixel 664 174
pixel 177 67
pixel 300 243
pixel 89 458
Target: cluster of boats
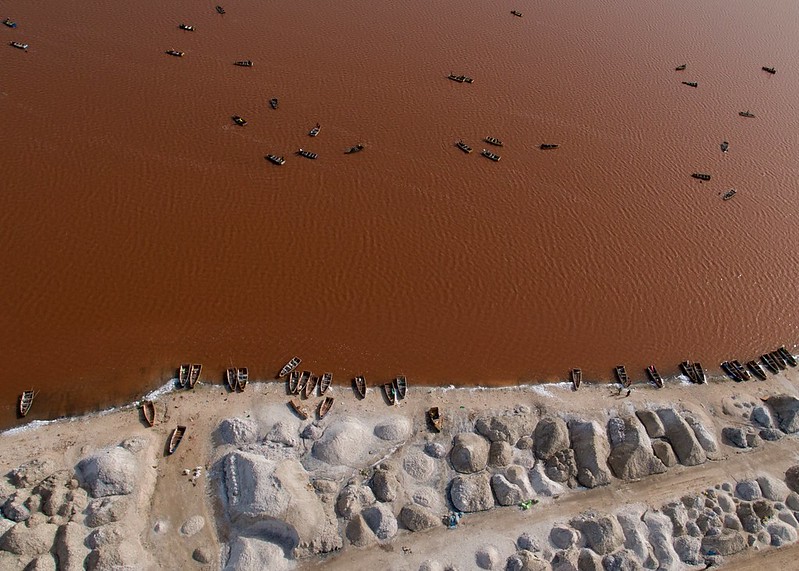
pixel 189 374
pixel 236 378
pixel 496 142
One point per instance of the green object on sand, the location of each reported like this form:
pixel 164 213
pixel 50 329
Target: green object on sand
pixel 527 504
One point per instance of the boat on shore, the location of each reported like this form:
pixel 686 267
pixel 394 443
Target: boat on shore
pixel 175 438
pixel 148 411
pixel 242 378
pixel 186 27
pixel 299 408
pixel 315 131
pixel 289 367
pixel 175 53
pixel 746 114
pixel 687 369
pixel 310 386
pixel 307 154
pixel 699 373
pixel 388 390
pixel 755 368
pixel 489 155
pixel 26 402
pixel 742 372
pixel 325 382
pixel 273 103
pixel 275 159
pixel 194 374
pixel 701 176
pixel 436 418
pixel 731 372
pixel 183 375
pixel 293 381
pixel 790 359
pixel 303 382
pixel 724 146
pixel 576 378
pixel 463 147
pixel 9 23
pixel 770 363
pixel 243 63
pixel 654 376
pixel 548 146
pixel 690 83
pixel 779 359
pixel 240 121
pixel 770 70
pixel 220 10
pixel 360 386
pixel 356 149
pixel 324 407
pixel 401 386
pixel 681 67
pixel 621 375
pixel 493 141
pixel 232 378
pixel 460 78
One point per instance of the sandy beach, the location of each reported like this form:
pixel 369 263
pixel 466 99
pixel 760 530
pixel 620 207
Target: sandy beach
pixel 533 477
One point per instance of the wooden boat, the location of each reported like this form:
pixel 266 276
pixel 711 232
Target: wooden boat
pixel 701 176
pixel 463 147
pixel 699 373
pixel 303 382
pixel 310 386
pixel 174 440
pixel 241 121
pixel 232 378
pixel 435 417
pixel 186 27
pixel 21 46
pixel 690 83
pixel 493 141
pixel 548 146
pixel 299 408
pixel 315 131
pixel 654 376
pixel 324 382
pixel 242 377
pixel 756 369
pixel 576 377
pixel 680 67
pixel 289 367
pixel 356 149
pixel 273 103
pixel 771 70
pixel 307 154
pixel 183 374
pixel 724 146
pixel 516 13
pixel 148 410
pixel 790 359
pixel 388 390
pixel 400 386
pixel 176 53
pixel 687 369
pixel 9 23
pixel 460 78
pixel 324 406
pixel 194 374
pixel 770 363
pixel 294 381
pixel 220 10
pixel 26 402
pixel 243 63
pixel 729 194
pixel 488 154
pixel 731 372
pixel 743 373
pixel 746 114
pixel 360 386
pixel 779 359
pixel 275 159
pixel 621 375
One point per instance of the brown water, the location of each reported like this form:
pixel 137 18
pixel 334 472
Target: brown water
pixel 141 228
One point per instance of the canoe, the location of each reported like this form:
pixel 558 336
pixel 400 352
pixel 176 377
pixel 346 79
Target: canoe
pixel 310 386
pixel 26 401
pixel 728 368
pixel 299 408
pixel 576 377
pixel 489 155
pixel 307 154
pixel 275 159
pixel 273 103
pixel 231 378
pixel 743 373
pixel 725 145
pixel 174 440
pixel 242 376
pixel 654 376
pixel 746 114
pixel 400 386
pixel 548 146
pixel 315 131
pixel 356 149
pixel 175 53
pixel 770 363
pixel 186 27
pixel 290 366
pixel 194 374
pixel 183 374
pixel 148 410
pixel 729 194
pixel 756 369
pixel 220 10
pixel 493 141
pixel 770 70
pixel 324 406
pixel 699 374
pixel 324 382
pixel 687 369
pixel 304 378
pixel 294 381
pixel 779 359
pixel 243 63
pixel 388 390
pixel 463 147
pixel 680 67
pixel 516 13
pixel 701 176
pixel 621 375
pixel 240 121
pixel 435 417
pixel 790 359
pixel 690 83
pixel 359 383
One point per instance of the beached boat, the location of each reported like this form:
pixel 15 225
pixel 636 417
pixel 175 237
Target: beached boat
pixel 9 23
pixel 310 386
pixel 289 367
pixel 576 377
pixel 273 103
pixel 324 406
pixel 548 146
pixel 436 418
pixel 175 438
pixel 770 363
pixel 654 376
pixel 516 13
pixel 356 149
pixel 779 359
pixel 232 378
pixel 729 194
pixel 21 46
pixel 771 70
pixel 690 83
pixel 25 402
pixel 299 408
pixel 275 159
pixel 360 386
pixel 742 372
pixel 194 374
pixel 220 10
pixel 241 121
pixel 294 381
pixel 186 27
pixel 746 114
pixel 489 155
pixel 680 67
pixel 183 375
pixel 724 146
pixel 303 382
pixel 756 369
pixel 621 375
pixel 463 147
pixel 400 386
pixel 493 141
pixel 687 369
pixel 699 373
pixel 731 372
pixel 175 53
pixel 324 383
pixel 701 176
pixel 315 131
pixel 148 411
pixel 243 63
pixel 790 359
pixel 307 154
pixel 242 377
pixel 388 390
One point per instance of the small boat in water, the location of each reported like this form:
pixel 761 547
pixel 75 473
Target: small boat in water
pixel 755 368
pixel 148 411
pixel 724 146
pixel 175 438
pixel 746 114
pixel 243 63
pixel 388 390
pixel 183 375
pixel 194 374
pixel 315 131
pixel 690 83
pixel 699 373
pixel 324 407
pixel 576 377
pixel 360 386
pixel 307 154
pixel 489 155
pixel 220 10
pixel 356 149
pixel 26 402
pixel 299 408
pixel 701 176
pixel 242 377
pixel 770 363
pixel 232 378
pixel 325 382
pixel 273 103
pixel 729 194
pixel 21 46
pixel 463 147
pixel 9 23
pixel 621 375
pixel 493 141
pixel 400 386
pixel 460 78
pixel 275 159
pixel 654 376
pixel 436 418
pixel 548 146
pixel 186 27
pixel 516 13
pixel 289 367
pixel 310 386
pixel 175 53
pixel 790 359
pixel 294 381
pixel 680 67
pixel 241 121
pixel 770 70
pixel 301 384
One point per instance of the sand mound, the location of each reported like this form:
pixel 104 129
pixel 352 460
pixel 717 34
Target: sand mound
pixel 109 472
pixel 236 431
pixel 344 443
pixel 394 428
